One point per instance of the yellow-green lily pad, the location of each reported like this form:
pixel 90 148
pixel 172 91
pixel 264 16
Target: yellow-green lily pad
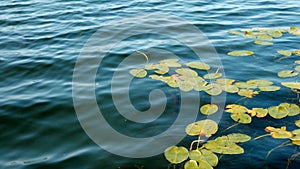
pixel 204 155
pixel 222 145
pixel 225 81
pixel 212 76
pixel 140 73
pixel 297 68
pixel 241 118
pixel 209 109
pixel 259 83
pixel 264 37
pixel 292 85
pixel 186 86
pixel 203 127
pixel 234 32
pixel 296 140
pixel 279 132
pixel 170 63
pixel 238 137
pixel 297 61
pixel 269 88
pixel 258 42
pixel 214 90
pixel 235 108
pixel 187 72
pixel 230 88
pixel 296 52
pixel 176 154
pixel 202 86
pixel 287 73
pixel 260 112
pixel 241 53
pixel 297 123
pixel 198 65
pixel 285 53
pixel 274 33
pixel 278 112
pixel 247 93
pixel 192 164
pixel 293 109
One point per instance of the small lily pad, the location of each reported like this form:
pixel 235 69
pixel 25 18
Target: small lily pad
pixel 260 112
pixel 279 132
pixel 274 33
pixel 230 88
pixel 285 53
pixel 198 65
pixel 140 73
pixel 258 42
pixel 241 118
pixel 241 53
pixel 214 90
pixel 176 154
pixel 187 72
pixel 269 88
pixel 287 73
pixel 202 127
pixel 238 137
pixel 234 32
pixel 186 86
pixel 201 86
pixel 247 93
pixel 264 37
pixel 296 140
pixel 170 63
pixel 192 164
pixel 209 109
pixel 205 155
pixel 212 76
pixel 225 81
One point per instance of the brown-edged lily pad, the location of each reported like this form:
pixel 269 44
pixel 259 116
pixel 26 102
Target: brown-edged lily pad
pixel 279 132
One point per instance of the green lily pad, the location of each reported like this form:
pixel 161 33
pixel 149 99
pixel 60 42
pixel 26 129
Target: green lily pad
pixel 292 85
pixel 241 53
pixel 176 154
pixel 214 90
pixel 260 112
pixel 202 127
pixel 241 118
pixel 225 81
pixel 205 155
pixel 297 123
pixel 278 112
pixel 151 66
pixel 258 42
pixel 170 63
pixel 235 108
pixel 187 72
pixel 264 37
pixel 296 132
pixel 274 33
pixel 269 88
pixel 198 65
pixel 287 73
pixel 192 164
pixel 296 140
pixel 222 145
pixel 238 137
pixel 247 93
pixel 293 109
pixel 259 83
pixel 186 86
pixel 209 109
pixel 201 86
pixel 212 76
pixel 230 88
pixel 140 73
pixel 279 132
pixel 285 53
pixel 244 85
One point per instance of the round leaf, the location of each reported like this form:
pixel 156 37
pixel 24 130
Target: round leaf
pixel 198 65
pixel 212 76
pixel 186 72
pixel 247 93
pixel 238 137
pixel 176 154
pixel 292 85
pixel 191 164
pixel 260 112
pixel 285 53
pixel 140 73
pixel 287 73
pixel 214 90
pixel 209 109
pixel 202 127
pixel 279 132
pixel 278 112
pixel 297 123
pixel 269 88
pixel 241 53
pixel 241 118
pixel 258 42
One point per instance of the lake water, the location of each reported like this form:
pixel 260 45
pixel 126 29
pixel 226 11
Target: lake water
pixel 40 44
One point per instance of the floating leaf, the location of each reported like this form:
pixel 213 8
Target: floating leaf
pixel 230 88
pixel 198 65
pixel 241 53
pixel 293 109
pixel 140 73
pixel 191 164
pixel 244 85
pixel 235 108
pixel 274 33
pixel 247 93
pixel 260 112
pixel 259 83
pixel 201 86
pixel 296 52
pixel 297 61
pixel 292 85
pixel 238 137
pixel 186 86
pixel 170 63
pixel 241 118
pixel 269 88
pixel 296 132
pixel 286 53
pixel 279 132
pixel 187 72
pixel 225 81
pixel 287 73
pixel 222 145
pixel 278 112
pixel 249 34
pixel 150 66
pixel 264 37
pixel 296 140
pixel 297 123
pixel 204 155
pixel 258 42
pixel 212 76
pixel 209 109
pixel 202 127
pixel 214 90
pixel 176 154
pixel 297 68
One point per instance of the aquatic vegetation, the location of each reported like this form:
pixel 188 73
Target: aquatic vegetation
pixel 240 53
pixel 140 73
pixel 209 109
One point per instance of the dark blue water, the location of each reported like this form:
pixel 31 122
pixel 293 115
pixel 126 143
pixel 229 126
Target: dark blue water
pixel 41 40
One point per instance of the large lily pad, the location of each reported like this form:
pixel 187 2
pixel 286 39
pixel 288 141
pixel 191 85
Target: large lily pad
pixel 279 132
pixel 278 112
pixel 170 63
pixel 205 155
pixel 176 154
pixel 203 128
pixel 187 72
pixel 238 137
pixel 292 85
pixel 222 145
pixel 209 109
pixel 214 90
pixel 293 109
pixel 240 53
pixel 192 164
pixel 259 83
pixel 225 81
pixel 230 88
pixel 287 73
